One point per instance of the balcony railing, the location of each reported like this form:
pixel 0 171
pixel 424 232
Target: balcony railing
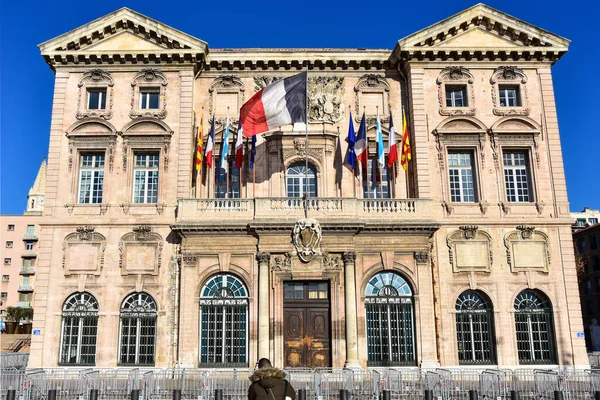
pixel 27 271
pixel 30 236
pixel 25 288
pixel 24 304
pixel 292 208
pixel 29 254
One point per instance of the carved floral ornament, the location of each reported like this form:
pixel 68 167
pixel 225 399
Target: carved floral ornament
pixel 470 249
pixel 459 76
pixel 95 78
pixel 325 96
pixel 509 75
pixel 307 237
pixel 372 83
pixel 149 77
pixel 527 248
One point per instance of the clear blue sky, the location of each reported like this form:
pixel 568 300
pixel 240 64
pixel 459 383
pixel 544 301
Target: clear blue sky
pixel 26 82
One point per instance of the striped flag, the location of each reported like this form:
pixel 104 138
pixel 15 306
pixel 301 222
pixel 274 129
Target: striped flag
pixel 210 143
pixel 361 148
pixel 199 145
pixel 405 143
pixel 225 148
pixel 379 138
pixel 280 103
pixel 351 157
pixel 239 147
pixel 392 148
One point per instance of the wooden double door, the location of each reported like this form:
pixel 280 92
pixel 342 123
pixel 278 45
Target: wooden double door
pixel 307 324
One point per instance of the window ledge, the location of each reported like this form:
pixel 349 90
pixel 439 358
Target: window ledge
pixel 502 111
pixel 143 208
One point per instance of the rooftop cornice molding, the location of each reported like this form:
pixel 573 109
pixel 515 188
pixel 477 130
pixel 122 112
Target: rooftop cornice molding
pixel 168 44
pixel 511 39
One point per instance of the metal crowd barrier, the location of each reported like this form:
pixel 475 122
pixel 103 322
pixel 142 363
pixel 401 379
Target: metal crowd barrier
pixel 13 360
pixel 318 384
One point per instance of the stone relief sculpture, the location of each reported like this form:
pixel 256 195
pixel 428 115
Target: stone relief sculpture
pixel 325 95
pixel 306 237
pixel 98 79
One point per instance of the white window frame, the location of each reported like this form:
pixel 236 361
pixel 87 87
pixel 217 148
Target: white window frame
pixel 145 93
pixel 96 176
pixel 146 172
pixel 513 172
pixel 297 171
pixel 101 98
pixel 505 99
pixel 463 195
pixel 452 90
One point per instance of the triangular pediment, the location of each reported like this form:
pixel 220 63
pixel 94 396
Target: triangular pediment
pixel 482 29
pixel 123 32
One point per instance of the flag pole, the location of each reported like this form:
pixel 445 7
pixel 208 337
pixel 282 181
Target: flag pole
pixel 353 155
pixel 306 147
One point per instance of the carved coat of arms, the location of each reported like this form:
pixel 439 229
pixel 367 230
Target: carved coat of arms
pixel 306 237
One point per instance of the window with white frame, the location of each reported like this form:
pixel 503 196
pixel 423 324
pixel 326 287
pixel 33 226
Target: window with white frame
pixel 149 98
pixel 535 328
pixel 456 96
pixel 96 99
pixel 227 181
pixel 223 322
pixel 300 180
pixel 390 321
pixel 509 96
pixel 91 178
pixel 516 176
pixel 79 330
pixel 462 176
pixel 145 178
pixel 5 278
pixel 376 184
pixel 28 245
pixel 138 330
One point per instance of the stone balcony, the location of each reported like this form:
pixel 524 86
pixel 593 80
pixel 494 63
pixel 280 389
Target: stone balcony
pixel 25 288
pixel 286 210
pixel 27 271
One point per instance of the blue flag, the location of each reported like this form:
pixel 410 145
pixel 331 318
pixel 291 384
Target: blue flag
pixel 225 149
pixel 350 156
pixel 252 152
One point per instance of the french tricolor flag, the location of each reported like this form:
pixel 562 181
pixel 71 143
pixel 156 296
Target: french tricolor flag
pixel 361 147
pixel 280 103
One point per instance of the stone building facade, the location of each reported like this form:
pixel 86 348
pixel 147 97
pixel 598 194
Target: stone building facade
pixel 465 258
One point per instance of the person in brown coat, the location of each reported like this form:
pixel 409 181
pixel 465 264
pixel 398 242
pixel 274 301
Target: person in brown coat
pixel 269 383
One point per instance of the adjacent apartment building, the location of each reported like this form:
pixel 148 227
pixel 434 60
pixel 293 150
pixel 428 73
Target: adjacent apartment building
pixel 465 258
pixel 19 249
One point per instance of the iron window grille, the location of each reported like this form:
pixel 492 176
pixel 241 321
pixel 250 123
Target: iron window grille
pixel 91 178
pixel 137 343
pixel 298 181
pixel 474 329
pixel 534 326
pixel 79 330
pixel 390 321
pixel 223 322
pixel 516 176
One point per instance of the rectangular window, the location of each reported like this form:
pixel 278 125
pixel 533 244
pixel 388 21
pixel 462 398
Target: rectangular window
pixel 145 178
pixel 5 278
pixel 11 227
pixel 91 178
pixel 28 262
pixel 3 295
pixel 580 222
pixel 593 242
pixel 7 261
pixel 30 230
pixel 317 290
pixel 375 181
pixel 28 245
pixel 25 297
pixel 462 178
pixel 96 99
pixel 25 281
pixel 149 98
pixel 509 96
pixel 516 176
pixel 456 96
pixel 9 244
pixel 227 185
pixel 593 221
pixel 588 287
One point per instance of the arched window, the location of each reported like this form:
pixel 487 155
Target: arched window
pixel 474 329
pixel 298 181
pixel 390 321
pixel 138 329
pixel 223 322
pixel 535 328
pixel 79 329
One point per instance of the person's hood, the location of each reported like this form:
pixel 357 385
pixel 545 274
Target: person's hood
pixel 267 377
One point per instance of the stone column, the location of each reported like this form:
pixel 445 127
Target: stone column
pixel 263 304
pixel 350 295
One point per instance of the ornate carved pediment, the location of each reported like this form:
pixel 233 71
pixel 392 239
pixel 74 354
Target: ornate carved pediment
pixel 83 251
pixel 457 76
pixel 460 130
pixel 95 79
pixel 140 251
pixel 516 131
pixel 147 133
pixel 372 90
pixel 470 249
pixel 325 97
pixel 92 133
pixel 527 249
pixel 306 238
pixel 145 78
pixel 514 76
